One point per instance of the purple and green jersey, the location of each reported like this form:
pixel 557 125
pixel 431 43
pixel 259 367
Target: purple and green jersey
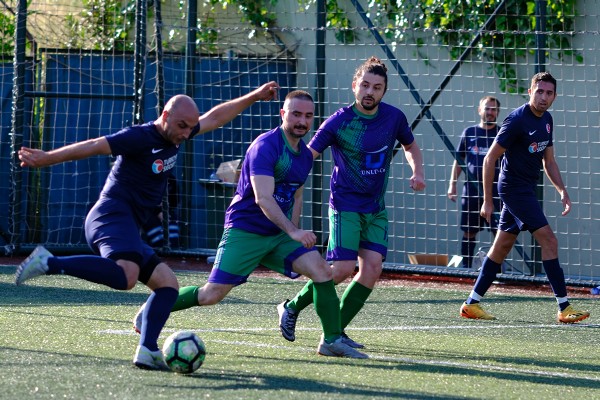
pixel 362 147
pixel 271 155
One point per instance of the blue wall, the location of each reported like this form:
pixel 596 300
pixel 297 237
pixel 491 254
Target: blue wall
pixel 70 189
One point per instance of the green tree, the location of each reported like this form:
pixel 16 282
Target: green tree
pixel 453 23
pixel 101 25
pixel 7 35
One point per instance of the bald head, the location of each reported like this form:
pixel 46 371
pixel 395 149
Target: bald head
pixel 184 105
pixel 178 119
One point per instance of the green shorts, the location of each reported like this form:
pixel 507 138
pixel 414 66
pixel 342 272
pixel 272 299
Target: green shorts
pixel 241 252
pixel 350 231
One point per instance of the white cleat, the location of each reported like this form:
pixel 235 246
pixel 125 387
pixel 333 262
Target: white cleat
pixel 138 320
pixel 146 359
pixel 34 265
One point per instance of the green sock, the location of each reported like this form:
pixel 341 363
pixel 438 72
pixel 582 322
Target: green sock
pixel 327 306
pixel 188 298
pixel 303 299
pixel 352 301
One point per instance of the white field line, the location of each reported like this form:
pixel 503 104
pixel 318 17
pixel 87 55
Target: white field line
pixel 406 360
pixel 379 328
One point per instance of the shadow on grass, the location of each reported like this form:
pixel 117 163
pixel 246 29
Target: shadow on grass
pixel 511 375
pixel 515 368
pixel 249 383
pixel 13 295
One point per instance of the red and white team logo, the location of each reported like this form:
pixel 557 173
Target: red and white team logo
pixel 548 128
pixel 533 147
pixel 158 166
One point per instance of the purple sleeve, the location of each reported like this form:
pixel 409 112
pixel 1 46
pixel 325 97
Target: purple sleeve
pixel 262 157
pixel 324 137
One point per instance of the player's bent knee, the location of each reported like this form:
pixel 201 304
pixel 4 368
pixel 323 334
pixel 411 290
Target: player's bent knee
pixel 131 270
pixel 211 293
pixel 321 273
pixel 162 276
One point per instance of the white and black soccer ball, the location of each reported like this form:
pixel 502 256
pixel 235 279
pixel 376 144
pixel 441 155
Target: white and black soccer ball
pixel 184 352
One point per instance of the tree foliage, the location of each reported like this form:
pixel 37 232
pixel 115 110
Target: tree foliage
pixel 454 23
pixel 107 25
pixel 101 25
pixel 7 35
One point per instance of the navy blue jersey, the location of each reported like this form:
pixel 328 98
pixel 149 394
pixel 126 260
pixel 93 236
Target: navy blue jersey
pixel 525 136
pixel 472 148
pixel 142 168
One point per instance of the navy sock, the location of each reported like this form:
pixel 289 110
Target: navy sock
pixel 157 311
pixel 556 277
pixel 486 277
pixel 91 268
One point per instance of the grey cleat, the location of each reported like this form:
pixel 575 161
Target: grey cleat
pixel 339 349
pixel 34 265
pixel 347 340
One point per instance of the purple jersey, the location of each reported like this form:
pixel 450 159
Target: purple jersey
pixel 525 137
pixel 143 165
pixel 362 147
pixel 473 146
pixel 269 154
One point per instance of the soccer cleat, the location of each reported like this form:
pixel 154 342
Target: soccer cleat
pixel 338 349
pixel 355 345
pixel 287 321
pixel 138 320
pixel 474 311
pixel 34 265
pixel 147 359
pixel 570 315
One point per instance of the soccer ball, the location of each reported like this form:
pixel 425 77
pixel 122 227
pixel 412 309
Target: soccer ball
pixel 184 352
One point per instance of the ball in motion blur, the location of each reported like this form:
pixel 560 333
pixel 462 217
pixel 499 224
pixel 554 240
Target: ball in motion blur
pixel 184 352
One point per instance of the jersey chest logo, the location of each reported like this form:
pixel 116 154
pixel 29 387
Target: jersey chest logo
pixel 158 166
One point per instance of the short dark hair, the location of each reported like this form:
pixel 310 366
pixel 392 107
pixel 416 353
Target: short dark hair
pixel 299 94
pixel 490 98
pixel 374 66
pixel 545 77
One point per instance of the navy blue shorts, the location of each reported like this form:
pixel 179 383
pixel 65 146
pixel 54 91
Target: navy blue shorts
pixel 521 212
pixel 111 229
pixel 470 218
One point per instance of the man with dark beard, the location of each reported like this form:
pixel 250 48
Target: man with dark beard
pixel 362 137
pixel 262 226
pixel 473 145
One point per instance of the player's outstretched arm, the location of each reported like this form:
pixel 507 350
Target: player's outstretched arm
pixel 221 114
pixel 77 151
